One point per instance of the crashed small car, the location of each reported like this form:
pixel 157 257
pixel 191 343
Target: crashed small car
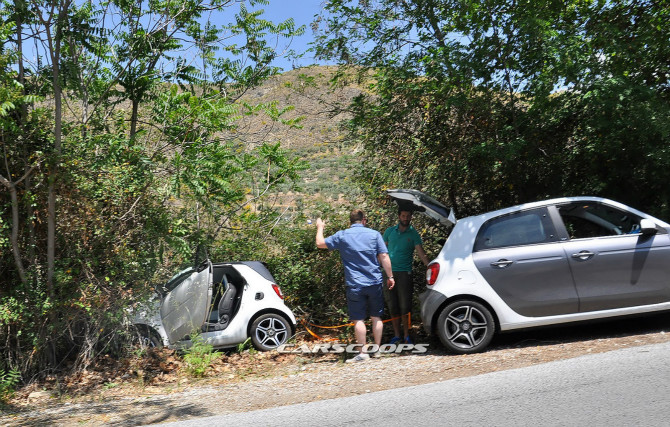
pixel 227 303
pixel 543 263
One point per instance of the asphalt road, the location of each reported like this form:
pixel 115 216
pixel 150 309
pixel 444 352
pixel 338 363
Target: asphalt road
pixel 618 388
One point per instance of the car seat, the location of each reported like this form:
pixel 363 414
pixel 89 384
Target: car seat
pixel 226 303
pixel 225 307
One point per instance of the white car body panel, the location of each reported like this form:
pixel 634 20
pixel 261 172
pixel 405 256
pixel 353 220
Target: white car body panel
pixel 182 324
pixel 149 315
pixel 237 331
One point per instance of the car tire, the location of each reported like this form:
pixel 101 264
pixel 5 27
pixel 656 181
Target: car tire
pixel 269 331
pixel 465 327
pixel 146 337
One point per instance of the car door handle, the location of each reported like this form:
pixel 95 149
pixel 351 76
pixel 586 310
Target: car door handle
pixel 583 255
pixel 502 263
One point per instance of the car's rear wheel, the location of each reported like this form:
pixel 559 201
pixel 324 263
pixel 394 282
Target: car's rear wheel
pixel 269 331
pixel 465 327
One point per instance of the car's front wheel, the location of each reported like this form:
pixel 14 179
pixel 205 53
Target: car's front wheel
pixel 269 331
pixel 146 337
pixel 465 327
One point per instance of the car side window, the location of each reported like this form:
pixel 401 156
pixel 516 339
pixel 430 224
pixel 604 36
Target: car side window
pixel 520 228
pixel 178 278
pixel 587 220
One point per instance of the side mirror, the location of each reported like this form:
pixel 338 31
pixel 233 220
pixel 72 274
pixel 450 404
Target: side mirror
pixel 647 227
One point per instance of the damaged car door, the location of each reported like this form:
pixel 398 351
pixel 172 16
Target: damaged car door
pixel 184 306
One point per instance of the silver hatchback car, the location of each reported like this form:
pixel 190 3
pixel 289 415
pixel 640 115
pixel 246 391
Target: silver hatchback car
pixel 544 263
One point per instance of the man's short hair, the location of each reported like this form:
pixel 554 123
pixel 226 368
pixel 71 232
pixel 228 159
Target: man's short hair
pixel 405 209
pixel 357 215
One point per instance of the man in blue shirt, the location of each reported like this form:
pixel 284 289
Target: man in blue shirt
pixel 362 251
pixel 402 240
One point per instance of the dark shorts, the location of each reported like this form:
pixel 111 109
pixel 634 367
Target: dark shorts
pixel 365 300
pixel 399 299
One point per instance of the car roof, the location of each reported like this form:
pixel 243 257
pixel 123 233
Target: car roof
pixel 258 266
pixel 462 238
pixel 477 219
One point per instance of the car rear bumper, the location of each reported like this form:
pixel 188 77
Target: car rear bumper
pixel 430 302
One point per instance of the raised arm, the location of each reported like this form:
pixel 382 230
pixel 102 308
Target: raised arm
pixel 320 240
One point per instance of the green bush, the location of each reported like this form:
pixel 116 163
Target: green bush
pixel 311 279
pixel 8 383
pixel 199 356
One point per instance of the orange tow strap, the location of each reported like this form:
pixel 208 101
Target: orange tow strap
pixel 305 323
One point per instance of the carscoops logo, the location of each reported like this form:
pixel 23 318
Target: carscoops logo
pixel 325 348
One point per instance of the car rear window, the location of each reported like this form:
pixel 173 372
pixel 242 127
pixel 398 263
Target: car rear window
pixel 520 228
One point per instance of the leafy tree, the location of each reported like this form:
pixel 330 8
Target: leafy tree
pixel 491 103
pixel 122 159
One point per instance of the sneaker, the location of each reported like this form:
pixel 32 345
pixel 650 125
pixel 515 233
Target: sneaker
pixel 377 354
pixel 395 340
pixel 408 340
pixel 360 357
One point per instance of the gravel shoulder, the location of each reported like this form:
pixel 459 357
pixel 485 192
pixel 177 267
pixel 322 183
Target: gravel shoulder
pixel 277 380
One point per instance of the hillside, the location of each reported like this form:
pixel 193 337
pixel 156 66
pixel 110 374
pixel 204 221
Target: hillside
pixel 319 140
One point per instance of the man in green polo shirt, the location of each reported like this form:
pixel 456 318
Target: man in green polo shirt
pixel 402 240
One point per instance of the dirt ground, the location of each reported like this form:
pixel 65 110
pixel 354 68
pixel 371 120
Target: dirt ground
pixel 155 389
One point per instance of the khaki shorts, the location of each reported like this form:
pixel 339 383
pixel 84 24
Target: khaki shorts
pixel 399 299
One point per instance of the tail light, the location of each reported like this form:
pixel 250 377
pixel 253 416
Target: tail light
pixel 277 291
pixel 431 273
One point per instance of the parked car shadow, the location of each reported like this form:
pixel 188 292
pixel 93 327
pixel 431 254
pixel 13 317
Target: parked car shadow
pixel 601 329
